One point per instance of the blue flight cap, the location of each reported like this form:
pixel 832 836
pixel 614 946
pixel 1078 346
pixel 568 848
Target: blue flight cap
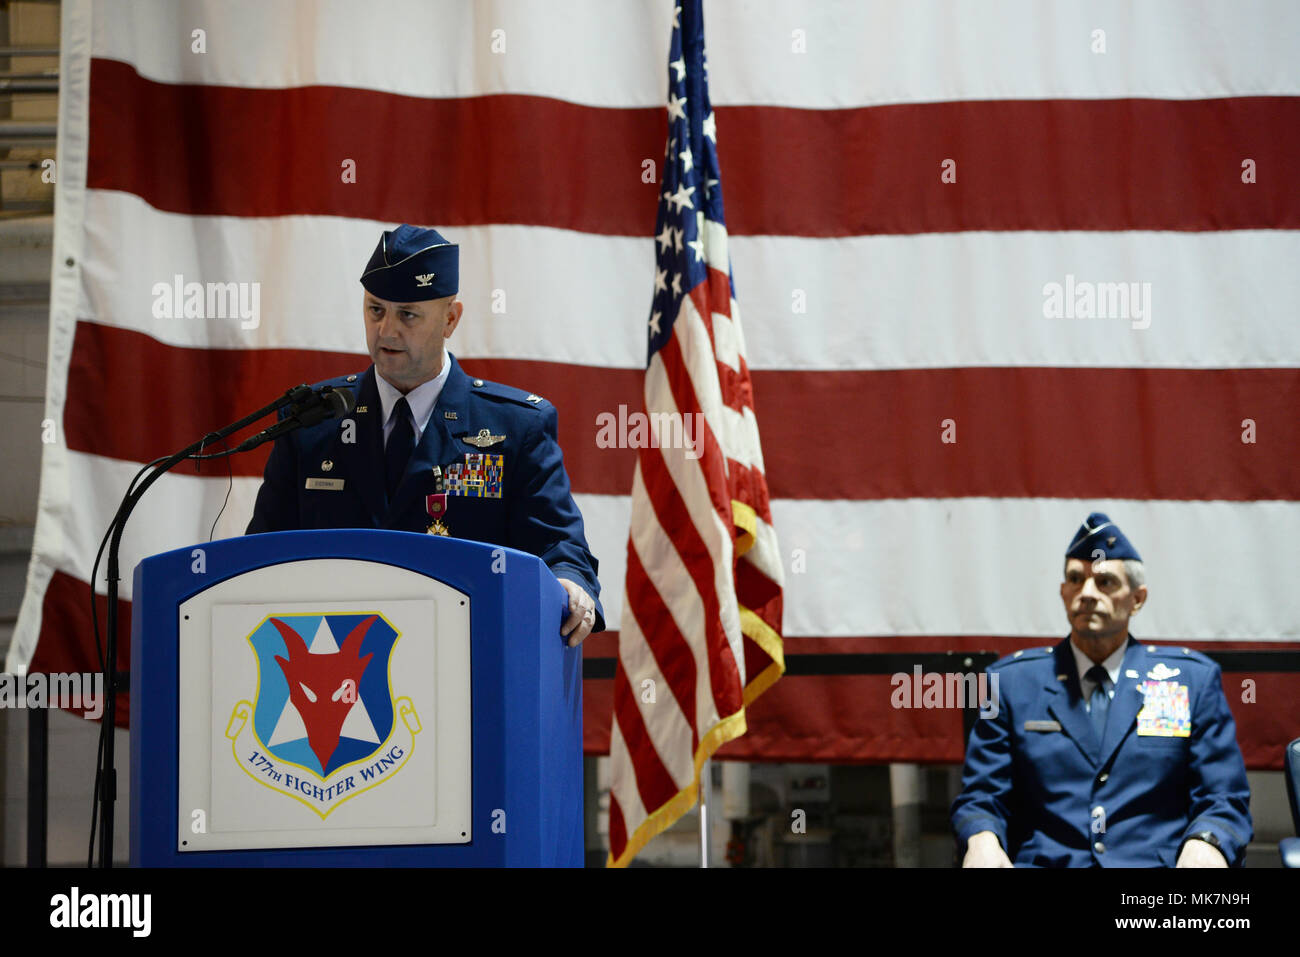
pixel 1099 534
pixel 412 264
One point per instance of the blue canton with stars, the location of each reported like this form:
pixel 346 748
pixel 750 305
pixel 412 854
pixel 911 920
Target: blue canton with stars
pixel 691 191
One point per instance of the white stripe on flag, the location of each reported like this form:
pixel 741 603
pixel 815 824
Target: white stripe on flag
pixel 999 559
pixel 672 580
pixel 665 721
pixel 930 51
pixel 934 300
pixel 693 487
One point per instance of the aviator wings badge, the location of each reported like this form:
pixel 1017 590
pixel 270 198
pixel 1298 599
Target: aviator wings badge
pixel 485 439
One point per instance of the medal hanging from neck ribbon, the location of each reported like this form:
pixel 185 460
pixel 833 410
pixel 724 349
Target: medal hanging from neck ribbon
pixel 436 506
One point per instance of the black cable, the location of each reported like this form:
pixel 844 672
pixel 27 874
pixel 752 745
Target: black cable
pixel 94 616
pixel 99 651
pixel 230 484
pixel 94 798
pixel 105 759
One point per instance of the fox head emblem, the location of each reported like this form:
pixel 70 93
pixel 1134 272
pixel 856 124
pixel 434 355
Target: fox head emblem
pixel 323 687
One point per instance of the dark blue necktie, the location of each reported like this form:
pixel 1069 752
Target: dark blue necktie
pixel 1100 707
pixel 401 443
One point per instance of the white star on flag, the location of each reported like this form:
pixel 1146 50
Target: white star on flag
pixel 683 197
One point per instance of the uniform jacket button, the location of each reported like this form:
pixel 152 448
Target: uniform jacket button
pixel 1099 847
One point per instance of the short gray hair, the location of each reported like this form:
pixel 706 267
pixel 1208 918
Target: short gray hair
pixel 1137 573
pixel 1134 569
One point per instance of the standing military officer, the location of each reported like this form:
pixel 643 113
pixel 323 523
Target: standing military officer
pixel 1104 752
pixel 427 448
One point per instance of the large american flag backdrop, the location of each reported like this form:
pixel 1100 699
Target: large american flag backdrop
pixel 905 182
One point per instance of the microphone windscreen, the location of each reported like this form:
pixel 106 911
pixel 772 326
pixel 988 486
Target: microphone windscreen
pixel 340 402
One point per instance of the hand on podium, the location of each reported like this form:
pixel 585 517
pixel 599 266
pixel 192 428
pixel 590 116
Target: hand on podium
pixel 582 613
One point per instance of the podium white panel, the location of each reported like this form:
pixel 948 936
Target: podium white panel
pixel 300 738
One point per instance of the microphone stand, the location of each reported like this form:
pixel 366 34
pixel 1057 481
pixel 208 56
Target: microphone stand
pixel 108 786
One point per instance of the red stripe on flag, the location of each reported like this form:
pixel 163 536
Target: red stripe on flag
pixel 504 154
pixel 617 828
pixel 654 783
pixel 671 652
pixel 884 429
pixel 884 426
pixel 165 397
pixel 676 521
pixel 1021 164
pixel 711 460
pixel 759 594
pixel 67 638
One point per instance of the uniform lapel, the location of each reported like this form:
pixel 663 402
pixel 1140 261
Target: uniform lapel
pixel 453 401
pixel 1065 702
pixel 436 441
pixel 1126 704
pixel 369 448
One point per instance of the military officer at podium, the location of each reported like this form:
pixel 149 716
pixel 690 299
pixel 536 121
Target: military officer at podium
pixel 1103 751
pixel 428 447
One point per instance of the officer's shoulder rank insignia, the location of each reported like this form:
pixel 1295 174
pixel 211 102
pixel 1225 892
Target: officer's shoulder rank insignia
pixel 497 391
pixel 484 439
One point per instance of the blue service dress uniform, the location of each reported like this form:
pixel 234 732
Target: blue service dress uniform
pixel 534 511
pixel 1036 774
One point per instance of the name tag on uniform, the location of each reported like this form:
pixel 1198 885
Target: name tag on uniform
pixel 1166 711
pixel 325 484
pixel 1042 726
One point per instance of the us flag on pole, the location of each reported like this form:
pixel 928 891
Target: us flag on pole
pixel 701 629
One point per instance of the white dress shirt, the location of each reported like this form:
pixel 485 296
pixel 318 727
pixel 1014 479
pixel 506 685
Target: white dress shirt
pixel 421 399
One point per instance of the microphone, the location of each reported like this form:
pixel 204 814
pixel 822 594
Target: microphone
pixel 319 405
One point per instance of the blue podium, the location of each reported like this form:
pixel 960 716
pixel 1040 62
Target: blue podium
pixel 353 698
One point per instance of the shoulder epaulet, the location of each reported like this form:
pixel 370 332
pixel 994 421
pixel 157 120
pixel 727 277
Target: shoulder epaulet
pixel 495 390
pixel 352 381
pixel 1179 652
pixel 1025 654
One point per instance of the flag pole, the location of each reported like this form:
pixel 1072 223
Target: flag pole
pixel 706 802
